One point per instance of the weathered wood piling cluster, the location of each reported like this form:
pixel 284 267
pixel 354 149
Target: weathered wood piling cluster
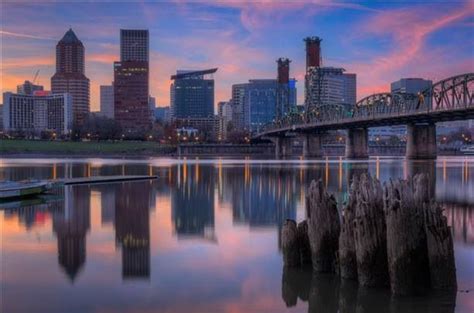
pixel 392 235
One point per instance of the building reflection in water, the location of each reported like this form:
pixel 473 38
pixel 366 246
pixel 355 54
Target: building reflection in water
pixel 328 293
pixel 132 228
pixel 192 201
pixel 107 203
pixel 259 196
pixel 71 227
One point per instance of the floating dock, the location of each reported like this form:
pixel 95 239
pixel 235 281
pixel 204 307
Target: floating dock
pixel 103 179
pixel 13 189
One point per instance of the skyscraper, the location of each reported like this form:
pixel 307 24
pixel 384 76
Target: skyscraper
pixel 330 86
pixel 192 94
pixel 70 75
pixel 131 82
pixel 134 45
pixel 107 101
pixel 255 104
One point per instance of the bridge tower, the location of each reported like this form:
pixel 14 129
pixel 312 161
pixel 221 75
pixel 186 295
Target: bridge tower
pixel 283 88
pixel 313 60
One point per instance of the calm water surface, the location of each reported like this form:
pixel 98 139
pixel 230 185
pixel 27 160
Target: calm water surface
pixel 203 237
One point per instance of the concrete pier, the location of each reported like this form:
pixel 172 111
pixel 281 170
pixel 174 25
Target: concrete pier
pixel 357 143
pixel 421 141
pixel 312 145
pixel 283 147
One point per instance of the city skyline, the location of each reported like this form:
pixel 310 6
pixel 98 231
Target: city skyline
pixel 381 43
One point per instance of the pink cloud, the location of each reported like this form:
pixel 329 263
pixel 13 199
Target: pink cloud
pixel 410 55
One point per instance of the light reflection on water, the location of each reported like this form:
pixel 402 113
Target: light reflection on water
pixel 204 237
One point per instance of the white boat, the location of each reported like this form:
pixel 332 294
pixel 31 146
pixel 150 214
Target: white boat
pixel 15 189
pixel 467 150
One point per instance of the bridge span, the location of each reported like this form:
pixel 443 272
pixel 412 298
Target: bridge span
pixel 450 99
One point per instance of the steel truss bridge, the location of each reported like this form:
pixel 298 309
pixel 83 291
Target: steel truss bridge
pixel 447 100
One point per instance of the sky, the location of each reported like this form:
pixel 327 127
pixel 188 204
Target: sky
pixel 380 41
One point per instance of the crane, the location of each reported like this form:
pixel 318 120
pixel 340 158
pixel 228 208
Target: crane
pixel 36 76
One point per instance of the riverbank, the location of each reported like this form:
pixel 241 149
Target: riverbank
pixel 89 148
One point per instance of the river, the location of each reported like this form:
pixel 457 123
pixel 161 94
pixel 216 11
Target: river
pixel 203 237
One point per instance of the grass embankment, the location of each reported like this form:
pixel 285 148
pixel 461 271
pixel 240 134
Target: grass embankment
pixel 18 147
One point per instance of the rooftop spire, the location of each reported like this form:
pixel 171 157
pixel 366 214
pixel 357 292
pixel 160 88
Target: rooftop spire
pixel 70 37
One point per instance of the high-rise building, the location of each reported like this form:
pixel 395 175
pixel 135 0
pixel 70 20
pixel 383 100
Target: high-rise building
pixel 131 82
pixel 131 102
pixel 70 75
pixel 107 101
pixel 237 103
pixel 192 94
pixel 330 86
pixel 41 111
pixel 27 88
pixel 134 45
pixel 254 103
pixel 224 113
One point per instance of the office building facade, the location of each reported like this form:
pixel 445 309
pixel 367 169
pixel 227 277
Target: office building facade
pixel 255 104
pixel 39 112
pixel 134 45
pixel 330 86
pixel 192 94
pixel 131 82
pixel 70 75
pixel 224 113
pixel 107 101
pixel 131 102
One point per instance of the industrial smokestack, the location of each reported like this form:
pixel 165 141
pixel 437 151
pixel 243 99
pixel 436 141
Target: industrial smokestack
pixel 283 76
pixel 313 52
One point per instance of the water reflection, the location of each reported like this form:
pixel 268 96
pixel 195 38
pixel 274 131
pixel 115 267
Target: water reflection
pixel 203 230
pixel 327 293
pixel 192 203
pixel 132 228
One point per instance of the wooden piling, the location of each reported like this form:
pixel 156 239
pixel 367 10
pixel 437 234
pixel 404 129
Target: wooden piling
pixel 303 240
pixel 323 227
pixel 347 251
pixel 370 233
pixel 290 244
pixel 440 249
pixel 406 238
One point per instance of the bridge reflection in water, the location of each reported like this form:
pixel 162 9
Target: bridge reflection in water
pixel 204 211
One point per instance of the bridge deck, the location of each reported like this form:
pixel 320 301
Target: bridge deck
pixel 401 118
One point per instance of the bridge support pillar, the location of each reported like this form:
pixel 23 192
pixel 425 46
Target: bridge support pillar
pixel 312 145
pixel 283 147
pixel 357 143
pixel 421 141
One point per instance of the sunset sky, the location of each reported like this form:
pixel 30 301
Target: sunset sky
pixel 379 42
